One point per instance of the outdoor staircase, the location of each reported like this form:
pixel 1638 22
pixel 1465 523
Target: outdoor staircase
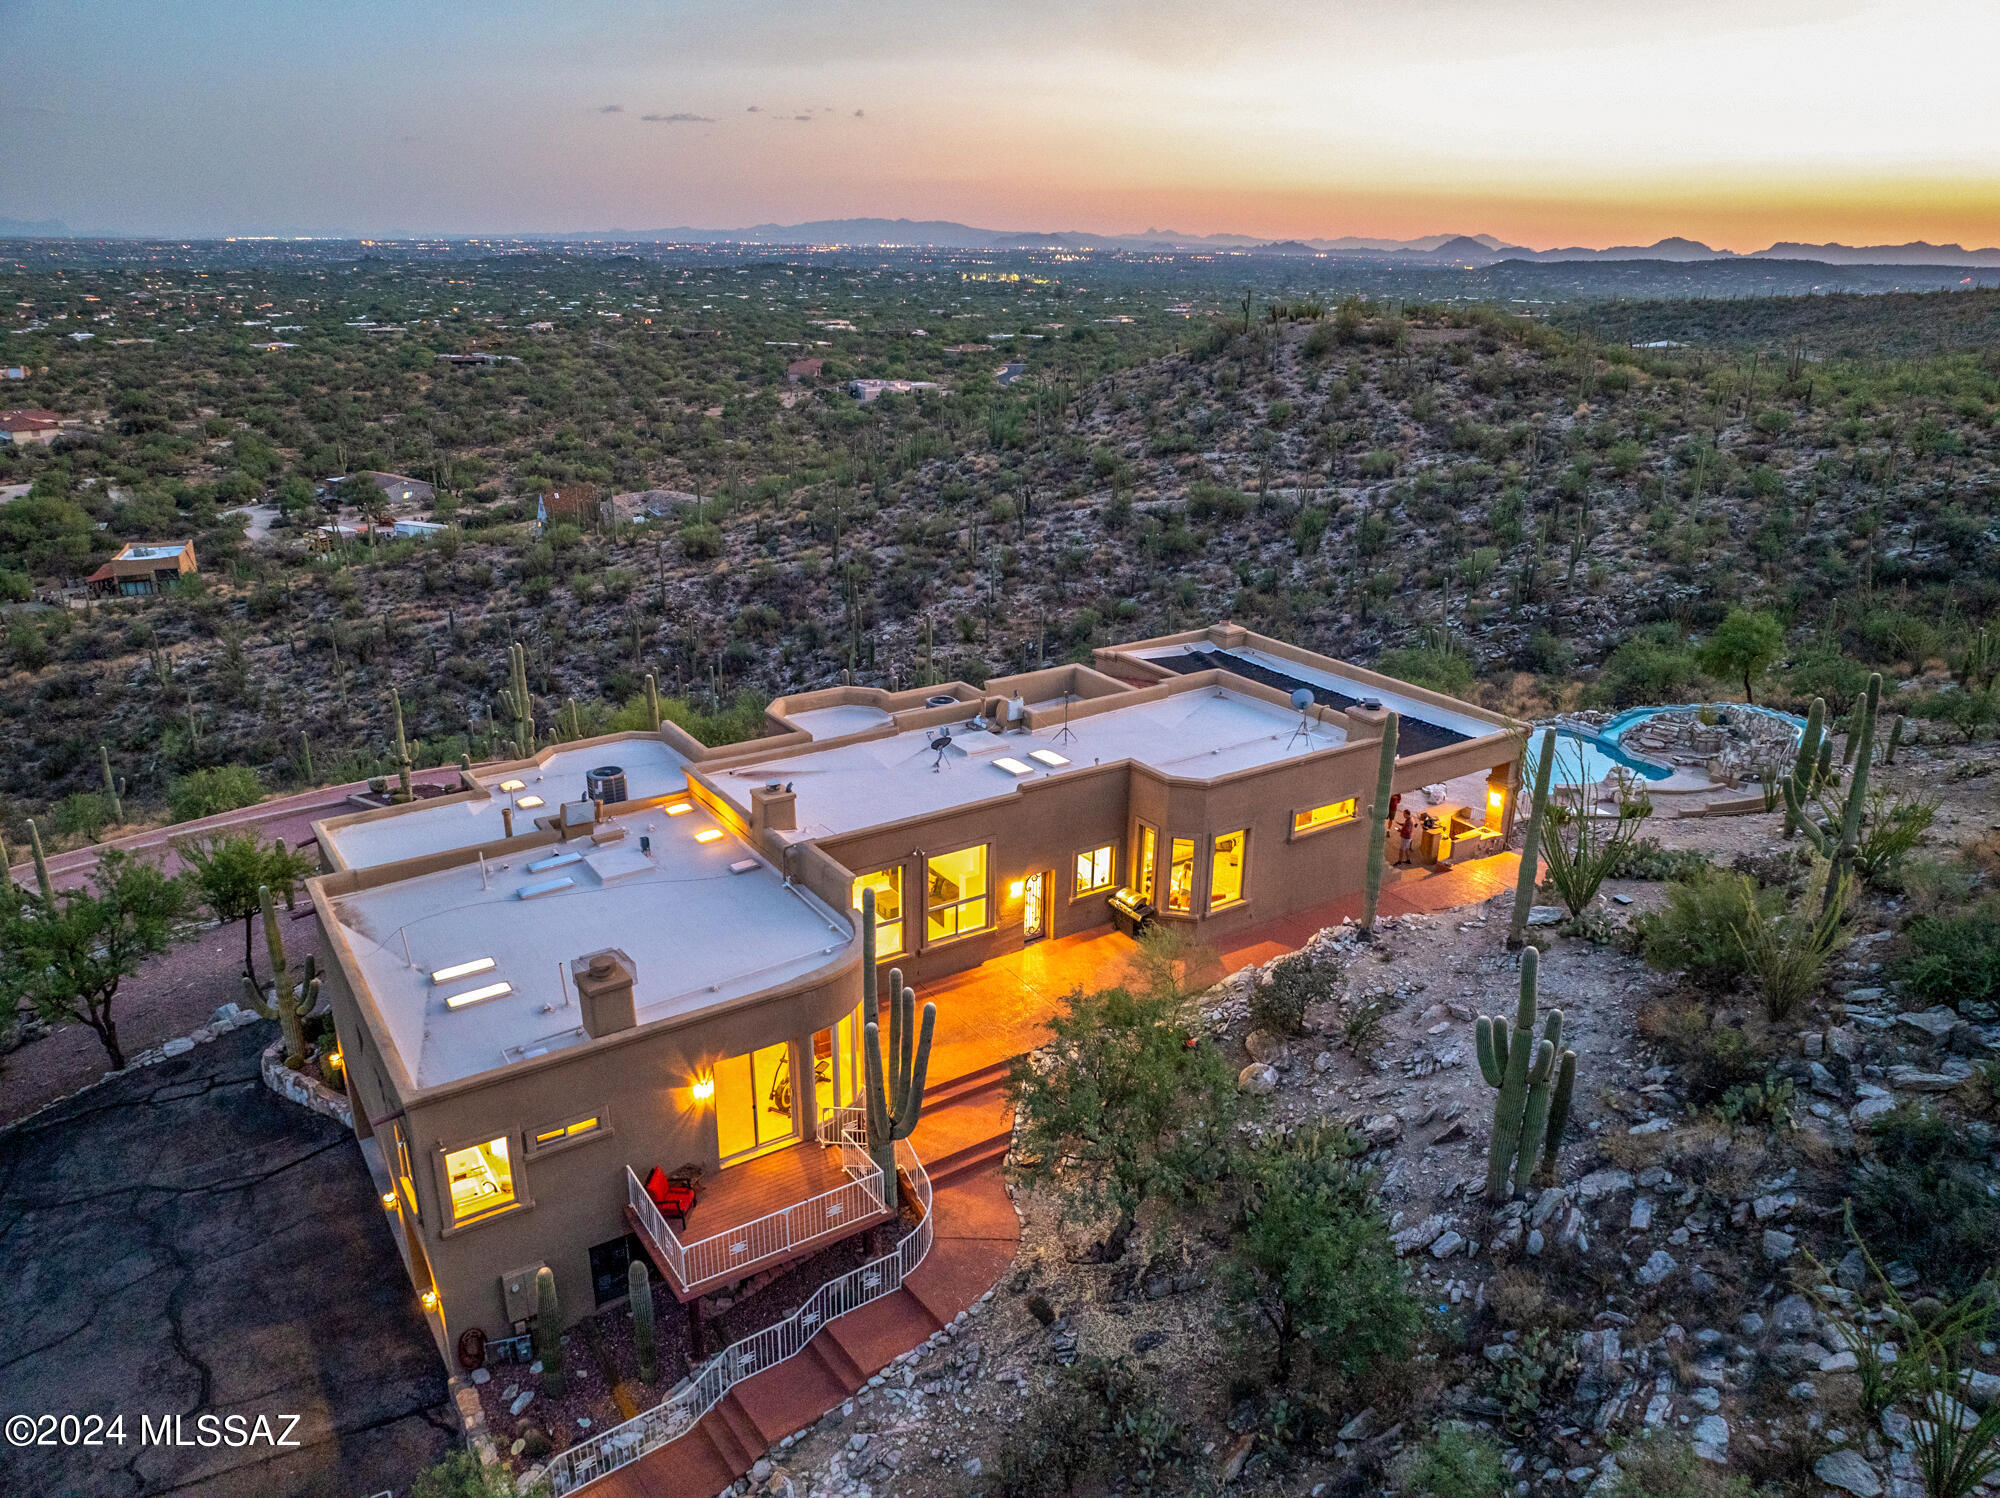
pixel 965 1124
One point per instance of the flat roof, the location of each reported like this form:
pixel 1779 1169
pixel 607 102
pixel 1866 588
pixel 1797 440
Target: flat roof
pixel 1198 734
pixel 413 832
pixel 833 722
pixel 698 931
pixel 155 552
pixel 1457 726
pixel 651 768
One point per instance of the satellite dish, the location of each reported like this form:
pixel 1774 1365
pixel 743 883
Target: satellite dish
pixel 938 746
pixel 1302 698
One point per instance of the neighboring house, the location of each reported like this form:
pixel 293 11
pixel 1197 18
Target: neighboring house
pixel 31 428
pixel 394 486
pixel 642 504
pixel 143 567
pixel 478 359
pixel 636 952
pixel 868 390
pixel 803 370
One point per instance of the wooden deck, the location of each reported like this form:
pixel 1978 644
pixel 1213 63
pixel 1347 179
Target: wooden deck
pixel 741 1195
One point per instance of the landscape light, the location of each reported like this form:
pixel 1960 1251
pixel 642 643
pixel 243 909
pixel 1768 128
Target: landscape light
pixel 476 995
pixel 337 1059
pixel 430 1300
pixel 528 802
pixel 708 834
pixel 704 1087
pixel 389 1201
pixel 463 970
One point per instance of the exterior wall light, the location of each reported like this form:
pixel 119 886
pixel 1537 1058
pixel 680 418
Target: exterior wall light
pixel 388 1201
pixel 704 1087
pixel 1017 889
pixel 337 1059
pixel 430 1300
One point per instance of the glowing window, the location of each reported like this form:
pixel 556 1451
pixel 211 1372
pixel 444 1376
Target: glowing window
pixel 888 887
pixel 956 897
pixel 753 1101
pixel 1323 816
pixel 481 1178
pixel 1180 875
pixel 578 1128
pixel 1142 870
pixel 1093 870
pixel 1225 877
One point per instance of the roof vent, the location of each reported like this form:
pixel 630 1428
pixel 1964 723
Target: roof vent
pixel 604 991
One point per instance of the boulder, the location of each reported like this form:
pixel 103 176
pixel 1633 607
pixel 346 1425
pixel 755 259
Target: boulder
pixel 1258 1076
pixel 1847 1470
pixel 1659 1264
pixel 1934 1024
pixel 1264 1046
pixel 1601 1183
pixel 1711 1438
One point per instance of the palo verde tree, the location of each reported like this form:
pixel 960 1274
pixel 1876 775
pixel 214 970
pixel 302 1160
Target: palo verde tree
pixel 227 871
pixel 1743 646
pixel 66 954
pixel 1121 1108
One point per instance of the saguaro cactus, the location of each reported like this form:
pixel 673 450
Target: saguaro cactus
pixel 305 759
pixel 895 1084
pixel 293 1000
pixel 1378 816
pixel 1534 1080
pixel 639 1291
pixel 43 882
pixel 652 702
pixel 548 1332
pixel 1807 770
pixel 114 785
pixel 1844 846
pixel 1531 845
pixel 515 699
pixel 403 792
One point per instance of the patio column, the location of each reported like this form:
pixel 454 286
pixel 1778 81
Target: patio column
pixel 805 1094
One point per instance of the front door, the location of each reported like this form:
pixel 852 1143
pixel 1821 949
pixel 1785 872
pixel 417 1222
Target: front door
pixel 1035 907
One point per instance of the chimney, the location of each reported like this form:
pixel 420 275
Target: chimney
pixel 1368 718
pixel 604 989
pixel 774 807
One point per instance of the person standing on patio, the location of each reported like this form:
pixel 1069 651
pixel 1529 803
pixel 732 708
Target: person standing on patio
pixel 1406 829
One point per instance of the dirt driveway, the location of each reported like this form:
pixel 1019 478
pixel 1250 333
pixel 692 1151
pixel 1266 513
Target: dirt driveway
pixel 181 1241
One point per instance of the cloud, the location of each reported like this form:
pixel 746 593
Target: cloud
pixel 681 118
pixel 612 109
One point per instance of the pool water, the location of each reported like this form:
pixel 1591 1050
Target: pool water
pixel 1584 760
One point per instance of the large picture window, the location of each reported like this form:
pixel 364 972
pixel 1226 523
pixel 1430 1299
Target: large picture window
pixel 888 887
pixel 481 1177
pixel 957 894
pixel 1180 875
pixel 753 1101
pixel 1225 875
pixel 1093 870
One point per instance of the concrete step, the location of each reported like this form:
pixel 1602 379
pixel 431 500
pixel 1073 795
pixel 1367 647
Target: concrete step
pixel 827 1350
pixel 970 1157
pixel 734 1433
pixel 883 1330
pixel 987 1079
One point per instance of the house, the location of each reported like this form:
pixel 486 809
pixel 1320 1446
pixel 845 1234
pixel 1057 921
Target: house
pixel 30 428
pixel 637 952
pixel 396 488
pixel 804 369
pixel 868 390
pixel 144 567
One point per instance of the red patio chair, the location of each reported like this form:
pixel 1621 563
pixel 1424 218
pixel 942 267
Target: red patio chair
pixel 673 1195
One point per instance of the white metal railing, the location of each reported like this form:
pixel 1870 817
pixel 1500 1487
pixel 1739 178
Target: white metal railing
pixel 773 1234
pixel 606 1451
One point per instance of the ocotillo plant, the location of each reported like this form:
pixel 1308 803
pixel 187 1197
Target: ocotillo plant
pixel 42 880
pixel 403 793
pixel 1531 845
pixel 519 705
pixel 548 1332
pixel 1843 847
pixel 293 1001
pixel 1534 1080
pixel 114 785
pixel 1806 771
pixel 1378 817
pixel 895 1087
pixel 639 1291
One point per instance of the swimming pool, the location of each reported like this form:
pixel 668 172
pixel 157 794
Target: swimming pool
pixel 1583 759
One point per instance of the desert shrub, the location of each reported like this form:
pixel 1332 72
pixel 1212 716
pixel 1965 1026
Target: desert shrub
pixel 1280 1004
pixel 1440 670
pixel 1896 825
pixel 205 793
pixel 1667 1468
pixel 1713 1054
pixel 1527 1374
pixel 1953 959
pixel 701 540
pixel 742 718
pixel 1456 1463
pixel 1699 931
pixel 463 1475
pixel 83 814
pixel 1646 859
pixel 1790 949
pixel 1099 1415
pixel 1921 1197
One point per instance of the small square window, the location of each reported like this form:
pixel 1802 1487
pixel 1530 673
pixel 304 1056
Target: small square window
pixel 1093 870
pixel 481 1178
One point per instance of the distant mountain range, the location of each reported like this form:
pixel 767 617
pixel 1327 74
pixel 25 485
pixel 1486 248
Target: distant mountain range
pixel 1431 249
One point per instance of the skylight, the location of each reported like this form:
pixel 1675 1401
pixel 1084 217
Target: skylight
pixel 463 970
pixel 479 995
pixel 1047 757
pixel 1012 766
pixel 528 802
pixel 708 834
pixel 513 785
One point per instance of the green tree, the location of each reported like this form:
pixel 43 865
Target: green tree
pixel 1313 1260
pixel 227 871
pixel 206 793
pixel 66 956
pixel 1744 644
pixel 1120 1109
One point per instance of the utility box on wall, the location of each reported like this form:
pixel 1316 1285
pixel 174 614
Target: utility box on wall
pixel 517 1289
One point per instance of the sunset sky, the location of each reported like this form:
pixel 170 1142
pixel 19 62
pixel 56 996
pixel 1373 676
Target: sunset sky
pixel 1545 122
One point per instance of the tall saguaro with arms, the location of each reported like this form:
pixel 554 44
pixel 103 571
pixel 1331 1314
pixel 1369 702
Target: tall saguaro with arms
pixel 895 1100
